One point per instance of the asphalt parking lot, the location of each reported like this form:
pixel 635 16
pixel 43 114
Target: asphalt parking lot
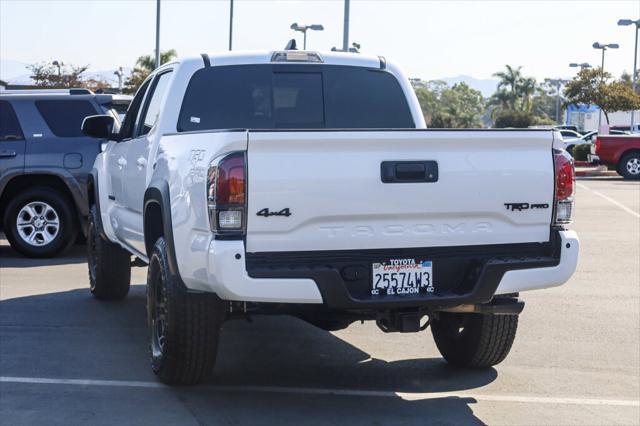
pixel 70 360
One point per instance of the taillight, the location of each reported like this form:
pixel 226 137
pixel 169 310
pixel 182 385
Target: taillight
pixel 564 187
pixel 226 194
pixel 597 144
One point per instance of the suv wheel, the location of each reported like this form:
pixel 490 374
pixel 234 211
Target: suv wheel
pixel 629 166
pixel 474 340
pixel 39 222
pixel 184 327
pixel 109 264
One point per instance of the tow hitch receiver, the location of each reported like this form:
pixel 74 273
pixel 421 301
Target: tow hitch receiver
pixel 403 322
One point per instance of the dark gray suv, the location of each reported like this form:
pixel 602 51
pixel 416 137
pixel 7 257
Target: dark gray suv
pixel 44 163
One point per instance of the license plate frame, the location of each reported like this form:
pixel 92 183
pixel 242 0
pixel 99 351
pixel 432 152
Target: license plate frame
pixel 402 277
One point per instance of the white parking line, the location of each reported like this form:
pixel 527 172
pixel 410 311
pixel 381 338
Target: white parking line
pixel 339 392
pixel 611 200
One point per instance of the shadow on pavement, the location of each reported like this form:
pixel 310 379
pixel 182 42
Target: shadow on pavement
pixel 10 258
pixel 615 179
pixel 71 335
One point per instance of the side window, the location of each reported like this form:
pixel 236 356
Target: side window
pixel 152 109
pixel 9 126
pixel 64 117
pixel 128 125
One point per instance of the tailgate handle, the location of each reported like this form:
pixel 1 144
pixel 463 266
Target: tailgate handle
pixel 409 171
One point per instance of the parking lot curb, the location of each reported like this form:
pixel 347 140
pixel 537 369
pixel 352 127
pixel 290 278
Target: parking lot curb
pixel 594 171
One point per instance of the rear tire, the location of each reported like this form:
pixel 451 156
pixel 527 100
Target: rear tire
pixel 474 340
pixel 629 166
pixel 184 327
pixel 109 264
pixel 40 222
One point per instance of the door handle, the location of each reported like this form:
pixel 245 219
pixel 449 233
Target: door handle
pixel 121 162
pixel 409 171
pixel 7 153
pixel 141 162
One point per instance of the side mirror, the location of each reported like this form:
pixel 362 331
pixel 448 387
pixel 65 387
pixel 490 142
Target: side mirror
pixel 98 126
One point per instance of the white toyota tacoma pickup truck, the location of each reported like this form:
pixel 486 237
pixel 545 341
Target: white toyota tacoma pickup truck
pixel 307 184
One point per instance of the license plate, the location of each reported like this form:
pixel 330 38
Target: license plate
pixel 402 277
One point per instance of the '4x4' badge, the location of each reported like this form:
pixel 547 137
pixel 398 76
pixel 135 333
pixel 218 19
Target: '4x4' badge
pixel 266 213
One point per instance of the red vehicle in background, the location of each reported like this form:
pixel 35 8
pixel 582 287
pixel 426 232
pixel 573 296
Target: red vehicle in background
pixel 621 152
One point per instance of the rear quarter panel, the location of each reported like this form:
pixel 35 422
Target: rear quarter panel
pixel 183 160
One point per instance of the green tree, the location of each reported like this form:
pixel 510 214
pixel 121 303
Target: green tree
pixel 595 87
pixel 514 92
pixel 50 76
pixel 520 119
pixel 509 84
pixel 544 102
pixel 145 66
pixel 626 77
pixel 458 106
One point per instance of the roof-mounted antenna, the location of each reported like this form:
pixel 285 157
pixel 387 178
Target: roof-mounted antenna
pixel 291 45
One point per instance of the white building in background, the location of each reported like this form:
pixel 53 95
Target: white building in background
pixel 585 117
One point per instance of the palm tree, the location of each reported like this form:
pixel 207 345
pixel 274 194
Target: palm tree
pixel 510 80
pixel 144 66
pixel 526 89
pixel 501 100
pixel 148 62
pixel 514 90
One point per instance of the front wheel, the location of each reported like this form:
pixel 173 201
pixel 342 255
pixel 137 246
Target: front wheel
pixel 184 327
pixel 474 340
pixel 629 166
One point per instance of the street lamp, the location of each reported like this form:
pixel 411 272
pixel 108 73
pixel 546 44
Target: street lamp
pixel 582 66
pixel 558 83
pixel 157 33
pixel 120 74
pixel 603 47
pixel 58 64
pixel 231 25
pixel 303 29
pixel 625 22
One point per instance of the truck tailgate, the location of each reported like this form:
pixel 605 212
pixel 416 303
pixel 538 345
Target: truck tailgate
pixel 324 190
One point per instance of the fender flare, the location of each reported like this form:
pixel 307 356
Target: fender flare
pixel 96 200
pixel 158 193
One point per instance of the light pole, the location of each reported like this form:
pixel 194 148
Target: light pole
pixel 58 64
pixel 231 25
pixel 120 74
pixel 625 22
pixel 345 29
pixel 582 65
pixel 558 82
pixel 157 33
pixel 603 47
pixel 303 29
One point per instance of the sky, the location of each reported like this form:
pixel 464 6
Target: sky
pixel 429 39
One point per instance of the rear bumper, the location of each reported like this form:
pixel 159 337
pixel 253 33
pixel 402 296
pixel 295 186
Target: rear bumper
pixel 341 280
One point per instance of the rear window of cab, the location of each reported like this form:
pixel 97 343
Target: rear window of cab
pixel 268 96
